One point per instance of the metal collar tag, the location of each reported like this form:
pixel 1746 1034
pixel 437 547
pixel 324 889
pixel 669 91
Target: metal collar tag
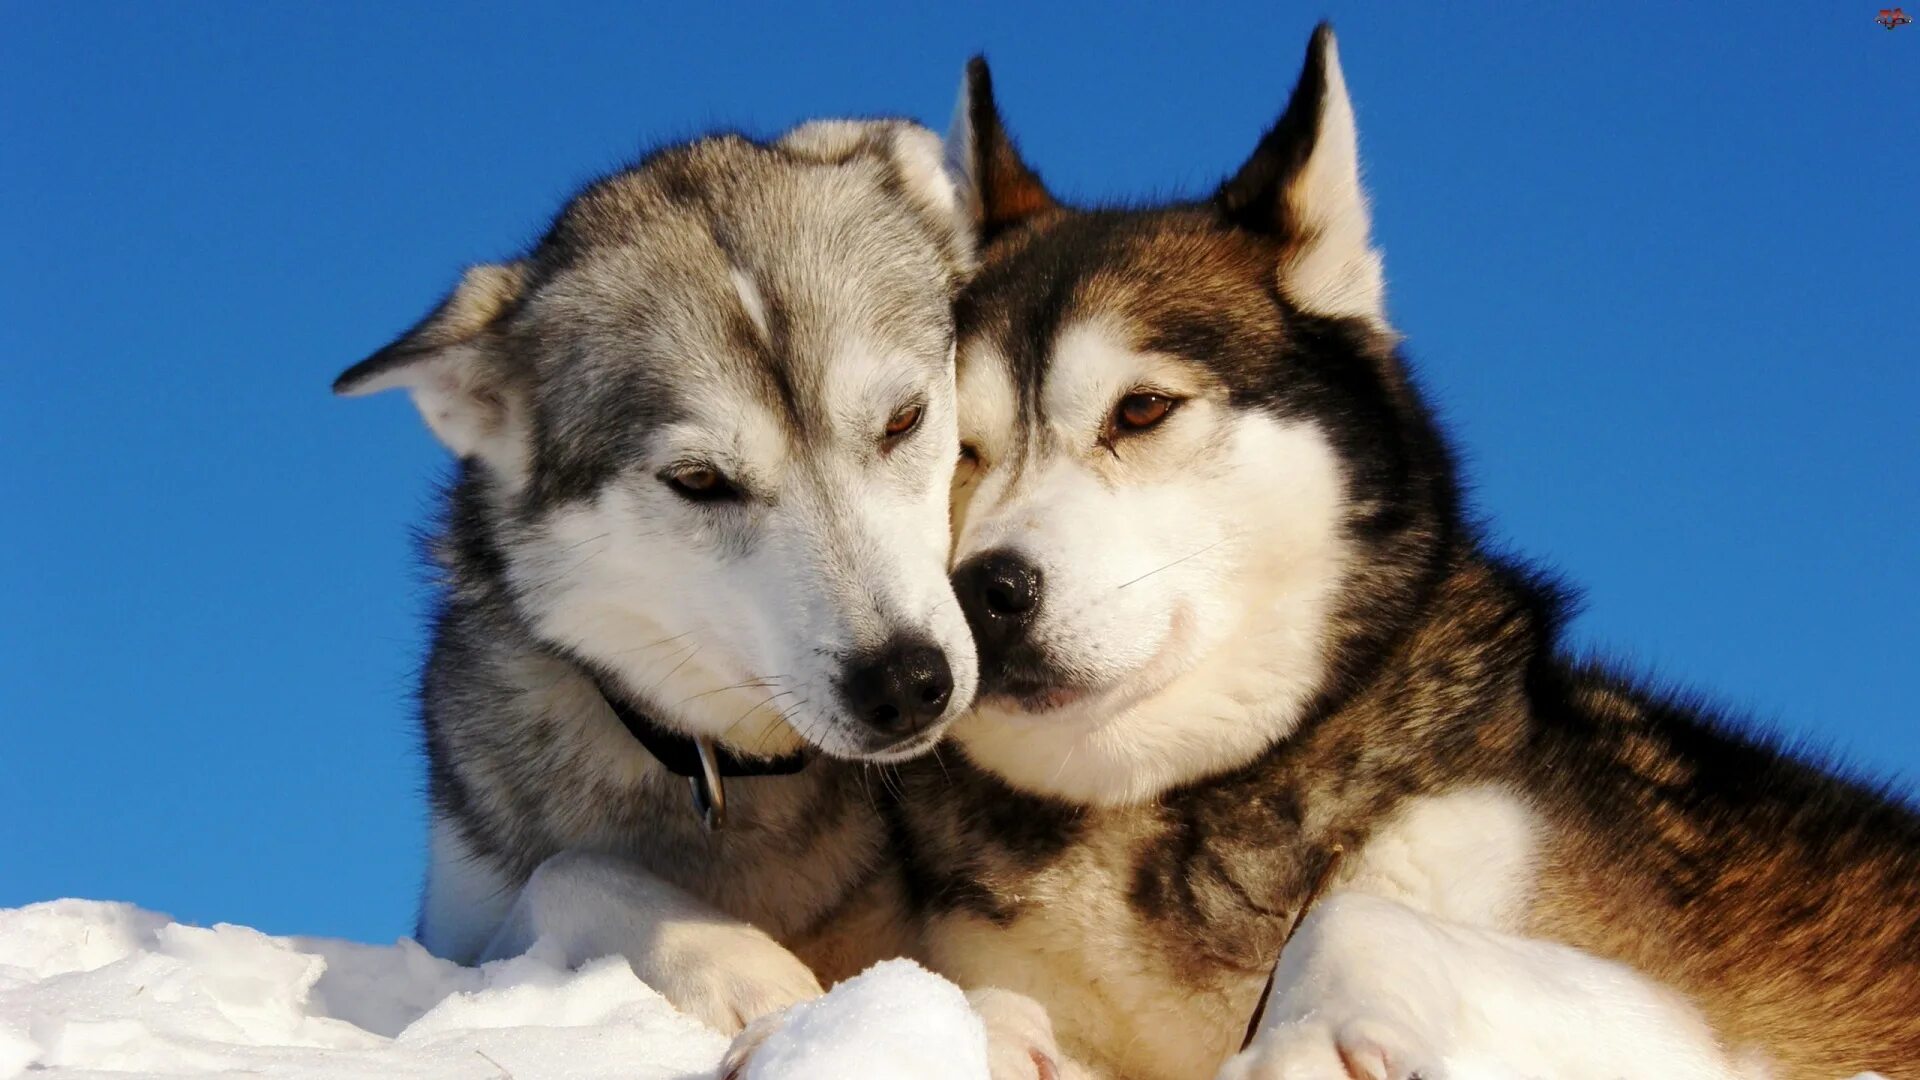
pixel 709 790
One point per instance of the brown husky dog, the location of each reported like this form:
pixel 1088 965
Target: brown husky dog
pixel 1231 618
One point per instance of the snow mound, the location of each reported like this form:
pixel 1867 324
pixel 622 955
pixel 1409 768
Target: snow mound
pixel 95 989
pixel 897 1019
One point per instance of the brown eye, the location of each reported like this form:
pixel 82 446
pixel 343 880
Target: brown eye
pixel 903 422
pixel 701 483
pixel 1140 411
pixel 967 467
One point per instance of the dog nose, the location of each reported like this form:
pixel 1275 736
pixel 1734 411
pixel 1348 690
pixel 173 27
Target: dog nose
pixel 901 689
pixel 999 593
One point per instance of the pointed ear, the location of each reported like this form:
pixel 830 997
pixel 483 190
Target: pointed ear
pixel 1302 186
pixel 915 156
pixel 998 187
pixel 919 157
pixel 451 364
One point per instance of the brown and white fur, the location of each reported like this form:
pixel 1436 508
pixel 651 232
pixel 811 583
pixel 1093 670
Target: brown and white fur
pixel 1232 617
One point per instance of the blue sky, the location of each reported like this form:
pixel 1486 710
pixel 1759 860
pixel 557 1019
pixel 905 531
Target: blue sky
pixel 1657 265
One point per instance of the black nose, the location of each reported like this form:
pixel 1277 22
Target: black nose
pixel 999 593
pixel 899 689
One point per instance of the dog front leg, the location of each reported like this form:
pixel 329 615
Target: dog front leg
pixel 578 906
pixel 1371 989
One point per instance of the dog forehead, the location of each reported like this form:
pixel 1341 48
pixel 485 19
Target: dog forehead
pixel 788 289
pixel 815 247
pixel 1089 291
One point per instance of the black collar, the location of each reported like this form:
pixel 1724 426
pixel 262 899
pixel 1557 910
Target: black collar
pixel 703 763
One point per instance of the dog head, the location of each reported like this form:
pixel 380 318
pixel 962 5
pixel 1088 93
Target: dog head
pixel 1196 489
pixel 706 430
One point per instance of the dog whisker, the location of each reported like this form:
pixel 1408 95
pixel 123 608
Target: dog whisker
pixel 650 647
pixel 1171 565
pixel 762 682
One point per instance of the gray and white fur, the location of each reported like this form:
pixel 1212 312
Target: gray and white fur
pixel 705 430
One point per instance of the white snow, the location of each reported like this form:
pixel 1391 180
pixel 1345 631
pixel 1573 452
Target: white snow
pixel 90 989
pixel 897 1019
pixel 93 989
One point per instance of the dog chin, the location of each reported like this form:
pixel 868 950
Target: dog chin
pixel 860 750
pixel 1062 747
pixel 906 749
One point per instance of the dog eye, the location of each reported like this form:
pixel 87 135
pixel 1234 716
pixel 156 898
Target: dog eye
pixel 1140 411
pixel 700 483
pixel 967 466
pixel 902 423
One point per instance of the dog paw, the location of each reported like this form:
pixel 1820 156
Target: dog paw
pixel 1020 1042
pixel 1362 1049
pixel 580 906
pixel 734 986
pixel 734 1064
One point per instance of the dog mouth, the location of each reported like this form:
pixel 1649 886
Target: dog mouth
pixel 907 748
pixel 1028 682
pixel 1024 678
pixel 1035 698
pixel 1030 686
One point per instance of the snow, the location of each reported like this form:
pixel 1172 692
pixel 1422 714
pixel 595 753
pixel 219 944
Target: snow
pixel 91 989
pixel 897 1019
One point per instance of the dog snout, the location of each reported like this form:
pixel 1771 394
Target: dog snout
pixel 999 593
pixel 901 689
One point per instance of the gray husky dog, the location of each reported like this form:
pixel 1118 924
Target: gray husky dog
pixel 694 561
pixel 1237 635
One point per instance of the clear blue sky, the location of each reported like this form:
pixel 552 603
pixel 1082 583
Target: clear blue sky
pixel 1657 264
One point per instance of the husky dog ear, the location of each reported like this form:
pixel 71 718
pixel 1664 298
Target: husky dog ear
pixel 999 189
pixel 915 154
pixel 921 160
pixel 1302 185
pixel 451 365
